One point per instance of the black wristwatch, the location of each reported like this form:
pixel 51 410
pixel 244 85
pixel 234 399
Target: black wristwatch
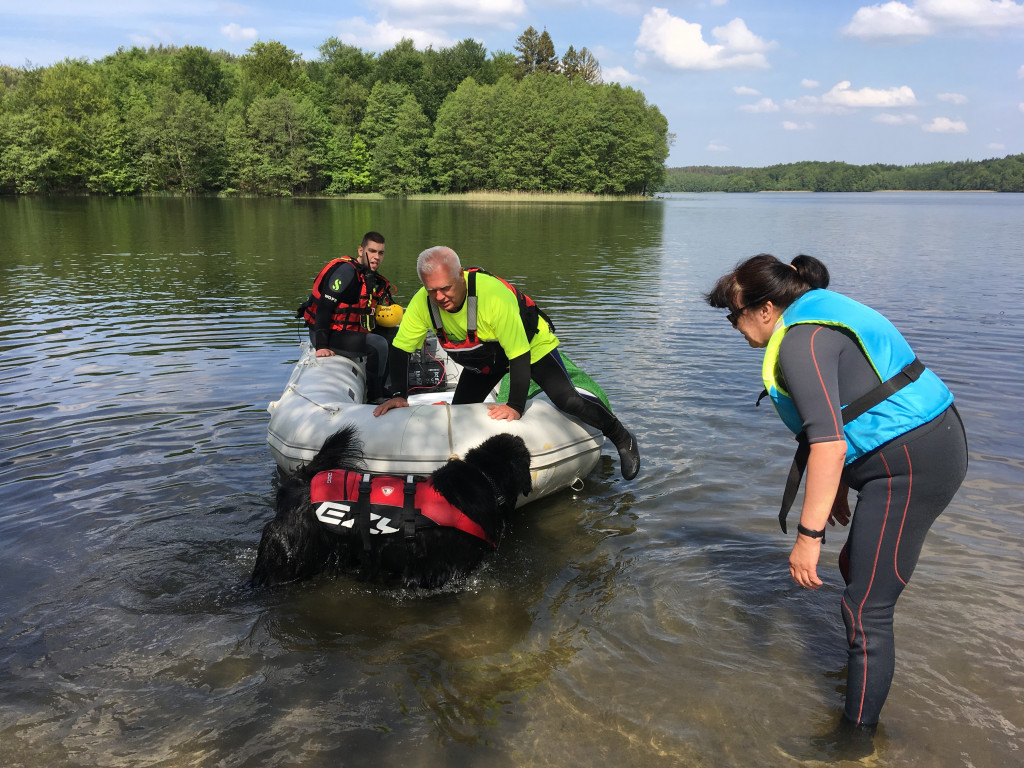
pixel 811 534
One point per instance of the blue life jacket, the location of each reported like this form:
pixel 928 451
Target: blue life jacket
pixel 910 405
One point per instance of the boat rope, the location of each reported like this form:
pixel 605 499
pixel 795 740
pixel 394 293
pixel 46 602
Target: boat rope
pixel 451 436
pixel 329 408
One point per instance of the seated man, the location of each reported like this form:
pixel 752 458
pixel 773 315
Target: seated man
pixel 489 327
pixel 340 311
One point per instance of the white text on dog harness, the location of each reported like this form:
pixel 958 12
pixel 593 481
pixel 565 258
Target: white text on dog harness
pixel 335 513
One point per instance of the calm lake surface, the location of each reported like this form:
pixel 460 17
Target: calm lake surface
pixel 648 623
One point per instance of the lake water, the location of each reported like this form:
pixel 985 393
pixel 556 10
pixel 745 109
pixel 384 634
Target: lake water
pixel 648 623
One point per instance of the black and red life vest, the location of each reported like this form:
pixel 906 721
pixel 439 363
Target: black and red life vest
pixel 353 312
pixel 484 356
pixel 382 505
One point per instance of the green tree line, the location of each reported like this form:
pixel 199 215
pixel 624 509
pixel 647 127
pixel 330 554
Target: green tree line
pixel 192 121
pixel 997 175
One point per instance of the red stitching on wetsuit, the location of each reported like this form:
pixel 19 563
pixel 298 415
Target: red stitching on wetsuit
pixel 874 569
pixel 910 487
pixel 852 621
pixel 814 358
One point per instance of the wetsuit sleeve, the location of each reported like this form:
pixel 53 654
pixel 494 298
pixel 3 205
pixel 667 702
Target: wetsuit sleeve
pixel 331 288
pixel 398 368
pixel 809 360
pixel 519 381
pixel 824 368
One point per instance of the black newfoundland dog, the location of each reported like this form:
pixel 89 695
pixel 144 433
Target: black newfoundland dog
pixel 407 531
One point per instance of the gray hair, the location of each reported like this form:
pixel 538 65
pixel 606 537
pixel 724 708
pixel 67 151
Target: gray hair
pixel 438 256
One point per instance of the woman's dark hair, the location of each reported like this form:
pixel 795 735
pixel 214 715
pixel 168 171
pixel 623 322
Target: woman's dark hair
pixel 764 278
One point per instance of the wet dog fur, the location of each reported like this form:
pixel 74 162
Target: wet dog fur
pixel 484 486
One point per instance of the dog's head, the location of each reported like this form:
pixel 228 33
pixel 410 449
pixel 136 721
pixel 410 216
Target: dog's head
pixel 505 459
pixel 486 484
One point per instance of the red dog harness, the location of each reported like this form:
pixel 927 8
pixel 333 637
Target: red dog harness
pixel 384 503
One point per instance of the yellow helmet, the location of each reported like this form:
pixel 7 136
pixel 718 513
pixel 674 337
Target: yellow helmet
pixel 389 315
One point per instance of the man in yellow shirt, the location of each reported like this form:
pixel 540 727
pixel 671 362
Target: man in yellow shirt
pixel 490 328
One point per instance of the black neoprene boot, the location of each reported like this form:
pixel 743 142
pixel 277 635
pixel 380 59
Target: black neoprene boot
pixel 848 740
pixel 629 452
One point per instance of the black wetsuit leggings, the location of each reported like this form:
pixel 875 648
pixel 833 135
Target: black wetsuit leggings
pixel 903 486
pixel 550 375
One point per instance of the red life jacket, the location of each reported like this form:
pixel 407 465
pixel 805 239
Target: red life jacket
pixel 357 315
pixel 386 504
pixel 471 353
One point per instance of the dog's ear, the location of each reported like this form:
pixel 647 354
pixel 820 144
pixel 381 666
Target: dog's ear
pixel 342 450
pixel 520 466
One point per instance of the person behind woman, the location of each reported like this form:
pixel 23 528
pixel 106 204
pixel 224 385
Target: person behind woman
pixel 340 311
pixel 868 416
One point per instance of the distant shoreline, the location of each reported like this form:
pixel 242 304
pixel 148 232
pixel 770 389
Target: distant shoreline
pixel 867 192
pixel 1004 174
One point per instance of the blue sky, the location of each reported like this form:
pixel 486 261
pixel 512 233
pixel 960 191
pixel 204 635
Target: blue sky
pixel 742 82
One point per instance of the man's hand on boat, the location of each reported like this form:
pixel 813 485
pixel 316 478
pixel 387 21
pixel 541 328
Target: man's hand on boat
pixel 387 405
pixel 324 353
pixel 506 412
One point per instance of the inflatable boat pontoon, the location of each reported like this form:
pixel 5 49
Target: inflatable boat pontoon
pixel 325 394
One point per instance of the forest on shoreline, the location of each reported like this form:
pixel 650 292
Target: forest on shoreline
pixel 192 121
pixel 997 175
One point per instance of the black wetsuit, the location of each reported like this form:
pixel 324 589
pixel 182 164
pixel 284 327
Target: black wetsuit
pixel 902 487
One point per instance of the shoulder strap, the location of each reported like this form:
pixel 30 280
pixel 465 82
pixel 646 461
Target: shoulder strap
pixel 910 373
pixel 362 513
pixel 409 508
pixel 471 305
pixel 435 318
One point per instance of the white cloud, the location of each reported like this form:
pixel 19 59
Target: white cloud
pixel 808 83
pixel 714 146
pixel 1020 72
pixel 928 17
pixel 743 90
pixel 235 32
pixel 719 2
pixel 435 13
pixel 887 118
pixel 620 75
pixel 1020 106
pixel 945 125
pixel 973 13
pixel 736 37
pixel 814 104
pixel 444 6
pixel 953 98
pixel 383 35
pixel 680 44
pixel 888 20
pixel 764 105
pixel 791 126
pixel 841 95
pixel 997 147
